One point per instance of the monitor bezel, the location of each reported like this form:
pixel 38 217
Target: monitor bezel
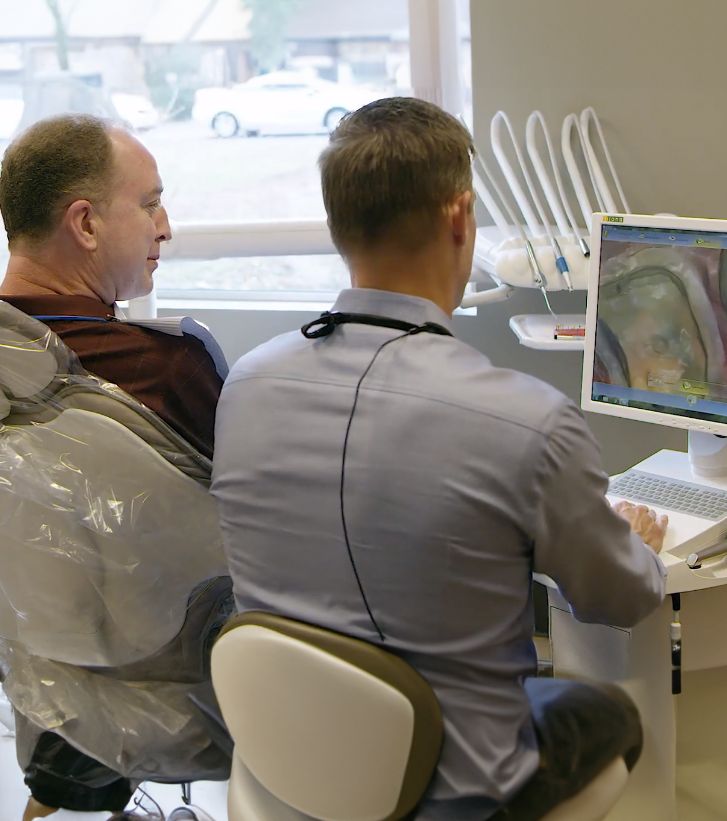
pixel 637 414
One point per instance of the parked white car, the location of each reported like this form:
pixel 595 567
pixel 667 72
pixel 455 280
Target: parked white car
pixel 282 102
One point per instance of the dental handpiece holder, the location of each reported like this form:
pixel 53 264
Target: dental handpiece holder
pixel 505 257
pixel 695 560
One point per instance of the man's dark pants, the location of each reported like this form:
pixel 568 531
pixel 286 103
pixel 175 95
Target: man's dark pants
pixel 581 728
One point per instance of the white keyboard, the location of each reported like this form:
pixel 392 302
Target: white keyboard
pixel 673 494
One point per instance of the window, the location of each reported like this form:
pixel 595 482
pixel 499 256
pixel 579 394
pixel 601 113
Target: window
pixel 235 99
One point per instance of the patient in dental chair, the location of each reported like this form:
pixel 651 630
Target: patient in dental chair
pixel 112 581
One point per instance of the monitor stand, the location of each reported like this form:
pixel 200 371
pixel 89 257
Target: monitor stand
pixel 707 454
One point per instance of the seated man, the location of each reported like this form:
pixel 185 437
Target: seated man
pixel 81 203
pixel 396 486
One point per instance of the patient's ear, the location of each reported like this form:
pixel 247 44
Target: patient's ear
pixel 81 224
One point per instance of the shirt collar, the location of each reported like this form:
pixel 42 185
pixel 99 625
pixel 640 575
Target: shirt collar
pixel 60 304
pixel 414 309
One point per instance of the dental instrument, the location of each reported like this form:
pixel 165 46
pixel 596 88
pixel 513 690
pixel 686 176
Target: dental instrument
pixel 537 274
pixel 520 197
pixel 571 124
pixel 537 162
pixel 501 290
pixel 522 201
pixel 588 117
pixel 478 181
pixel 490 205
pixel 554 201
pixel 483 191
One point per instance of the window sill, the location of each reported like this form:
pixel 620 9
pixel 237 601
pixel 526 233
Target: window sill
pixel 235 304
pixel 284 303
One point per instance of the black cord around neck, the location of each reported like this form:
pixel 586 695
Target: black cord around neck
pixel 324 326
pixel 343 475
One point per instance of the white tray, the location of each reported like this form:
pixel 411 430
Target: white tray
pixel 536 331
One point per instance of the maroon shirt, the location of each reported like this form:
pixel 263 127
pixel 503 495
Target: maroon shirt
pixel 172 375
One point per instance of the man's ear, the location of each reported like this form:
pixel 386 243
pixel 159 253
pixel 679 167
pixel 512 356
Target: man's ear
pixel 460 211
pixel 81 224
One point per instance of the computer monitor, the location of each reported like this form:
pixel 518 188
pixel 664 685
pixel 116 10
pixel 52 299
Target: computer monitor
pixel 656 321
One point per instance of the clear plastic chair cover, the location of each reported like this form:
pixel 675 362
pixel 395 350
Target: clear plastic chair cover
pixel 112 576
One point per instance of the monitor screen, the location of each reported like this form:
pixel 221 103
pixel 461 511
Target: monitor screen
pixel 656 322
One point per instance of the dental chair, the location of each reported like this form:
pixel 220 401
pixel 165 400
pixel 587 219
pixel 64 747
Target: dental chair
pixel 330 727
pixel 113 583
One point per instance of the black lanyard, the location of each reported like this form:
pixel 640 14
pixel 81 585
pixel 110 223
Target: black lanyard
pixel 323 326
pixel 328 321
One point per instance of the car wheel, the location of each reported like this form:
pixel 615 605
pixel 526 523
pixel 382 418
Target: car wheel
pixel 333 118
pixel 225 124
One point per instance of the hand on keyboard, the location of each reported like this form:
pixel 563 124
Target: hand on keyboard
pixel 644 522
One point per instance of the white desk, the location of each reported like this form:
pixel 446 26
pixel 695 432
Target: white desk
pixel 685 736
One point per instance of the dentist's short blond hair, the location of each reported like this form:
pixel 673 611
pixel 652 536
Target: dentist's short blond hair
pixel 389 169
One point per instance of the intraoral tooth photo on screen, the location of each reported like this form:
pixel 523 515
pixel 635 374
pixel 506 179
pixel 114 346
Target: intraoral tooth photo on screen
pixel 662 327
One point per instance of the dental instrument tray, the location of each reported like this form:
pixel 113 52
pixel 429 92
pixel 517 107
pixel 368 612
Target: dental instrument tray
pixel 545 332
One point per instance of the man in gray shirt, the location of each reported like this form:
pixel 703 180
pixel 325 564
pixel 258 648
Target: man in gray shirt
pixel 378 477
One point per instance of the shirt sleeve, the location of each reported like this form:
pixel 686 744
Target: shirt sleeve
pixel 603 569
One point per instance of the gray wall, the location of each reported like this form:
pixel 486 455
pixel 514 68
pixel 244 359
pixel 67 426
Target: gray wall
pixel 654 70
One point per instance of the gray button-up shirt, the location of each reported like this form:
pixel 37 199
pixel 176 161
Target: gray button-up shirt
pixel 461 480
